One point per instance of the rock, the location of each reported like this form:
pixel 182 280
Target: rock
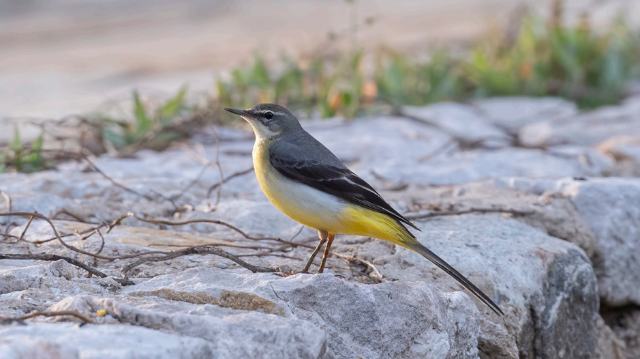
pixel 62 268
pixel 473 165
pixel 230 333
pixel 459 121
pixel 20 275
pixel 548 122
pixel 621 148
pixel 29 285
pixel 495 342
pixel 385 149
pixel 598 201
pixel 594 127
pixel 546 286
pixel 605 204
pixel 513 113
pixel 589 156
pixel 554 215
pixel 625 151
pixel 623 330
pixel 151 178
pixel 386 320
pixel 42 340
pixel 535 135
pixel 610 346
pixel 369 146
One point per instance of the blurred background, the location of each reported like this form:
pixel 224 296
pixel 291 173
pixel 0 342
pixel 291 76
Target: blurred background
pixel 119 68
pixel 71 56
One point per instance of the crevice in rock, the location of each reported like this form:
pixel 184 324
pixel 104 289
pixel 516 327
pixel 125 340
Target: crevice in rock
pixel 535 325
pixel 227 299
pixel 625 324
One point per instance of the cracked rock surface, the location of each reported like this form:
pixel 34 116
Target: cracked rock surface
pixel 529 198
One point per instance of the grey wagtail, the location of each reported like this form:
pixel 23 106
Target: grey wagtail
pixel 308 183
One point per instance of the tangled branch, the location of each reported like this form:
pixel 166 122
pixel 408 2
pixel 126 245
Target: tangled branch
pixel 146 256
pixel 197 250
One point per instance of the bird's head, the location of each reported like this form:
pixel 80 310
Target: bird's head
pixel 268 120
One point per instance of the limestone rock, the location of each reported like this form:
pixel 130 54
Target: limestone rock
pixel 17 275
pixel 594 127
pixel 527 259
pixel 610 346
pixel 546 286
pixel 405 319
pixel 622 333
pixel 495 342
pixel 513 113
pixel 458 120
pixel 535 135
pixel 44 340
pixel 229 333
pixel 607 206
pixel 464 167
pixel 603 203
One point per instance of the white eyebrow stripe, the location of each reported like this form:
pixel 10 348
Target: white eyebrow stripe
pixel 273 112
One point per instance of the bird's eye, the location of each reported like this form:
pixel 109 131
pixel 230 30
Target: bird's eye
pixel 268 115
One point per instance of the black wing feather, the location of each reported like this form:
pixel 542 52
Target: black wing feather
pixel 334 179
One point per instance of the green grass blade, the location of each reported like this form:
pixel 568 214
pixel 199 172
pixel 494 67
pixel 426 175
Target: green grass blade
pixel 142 122
pixel 170 108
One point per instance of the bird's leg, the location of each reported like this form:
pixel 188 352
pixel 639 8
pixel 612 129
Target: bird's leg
pixel 326 252
pixel 323 239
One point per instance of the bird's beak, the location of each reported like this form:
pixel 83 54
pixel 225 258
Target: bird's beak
pixel 242 113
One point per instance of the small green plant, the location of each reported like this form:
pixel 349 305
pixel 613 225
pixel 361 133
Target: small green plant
pixel 549 59
pixel 23 158
pixel 155 128
pixel 333 89
pixel 544 58
pixel 402 81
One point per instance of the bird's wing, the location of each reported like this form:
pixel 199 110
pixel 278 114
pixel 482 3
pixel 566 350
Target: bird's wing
pixel 321 170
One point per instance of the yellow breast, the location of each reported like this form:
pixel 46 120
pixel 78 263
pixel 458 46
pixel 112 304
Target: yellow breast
pixel 303 204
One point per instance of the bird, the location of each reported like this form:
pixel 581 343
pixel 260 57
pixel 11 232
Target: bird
pixel 309 184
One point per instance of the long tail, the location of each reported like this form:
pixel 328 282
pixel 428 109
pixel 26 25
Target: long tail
pixel 365 222
pixel 417 247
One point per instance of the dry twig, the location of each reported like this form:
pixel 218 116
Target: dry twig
pixel 159 255
pixel 25 229
pixel 59 238
pixel 34 314
pixel 211 221
pixel 196 250
pixel 72 215
pixel 466 211
pixel 371 266
pixel 125 188
pixel 54 257
pixel 227 179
